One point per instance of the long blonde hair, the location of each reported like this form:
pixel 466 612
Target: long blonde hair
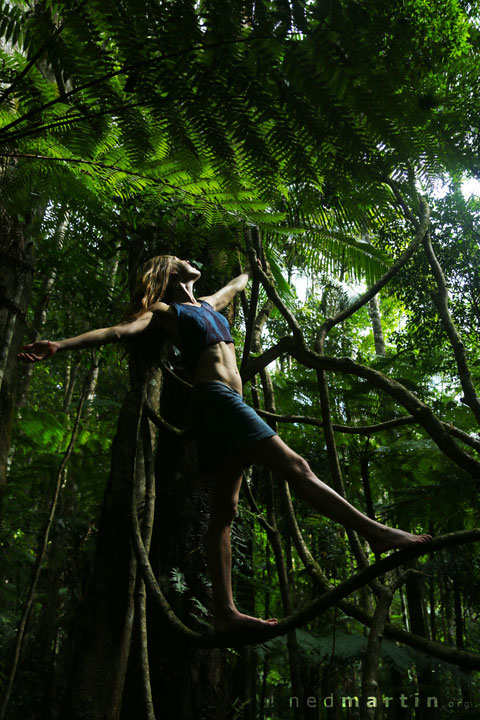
pixel 152 285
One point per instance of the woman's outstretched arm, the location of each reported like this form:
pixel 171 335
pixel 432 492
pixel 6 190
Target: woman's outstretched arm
pixel 225 295
pixel 43 349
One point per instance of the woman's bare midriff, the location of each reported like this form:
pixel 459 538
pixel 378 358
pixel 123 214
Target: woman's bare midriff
pixel 218 363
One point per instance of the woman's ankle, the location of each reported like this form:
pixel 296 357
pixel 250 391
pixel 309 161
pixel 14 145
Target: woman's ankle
pixel 224 612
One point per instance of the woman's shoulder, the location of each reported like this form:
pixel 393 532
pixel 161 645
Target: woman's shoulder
pixel 208 300
pixel 160 307
pixel 162 313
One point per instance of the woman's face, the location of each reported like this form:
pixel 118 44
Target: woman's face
pixel 185 271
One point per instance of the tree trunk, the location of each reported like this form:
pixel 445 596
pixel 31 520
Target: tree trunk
pixel 38 323
pixel 41 309
pixel 37 568
pixel 92 384
pixel 245 673
pixel 376 320
pixel 70 380
pixel 365 473
pixel 15 280
pixel 292 643
pixel 371 701
pixel 106 618
pixel 460 634
pixel 186 682
pixel 419 627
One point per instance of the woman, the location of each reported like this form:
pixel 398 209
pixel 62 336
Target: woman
pixel 229 433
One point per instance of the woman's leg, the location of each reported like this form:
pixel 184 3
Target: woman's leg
pixel 225 479
pixel 274 454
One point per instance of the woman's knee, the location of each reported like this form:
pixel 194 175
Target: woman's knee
pixel 222 516
pixel 297 469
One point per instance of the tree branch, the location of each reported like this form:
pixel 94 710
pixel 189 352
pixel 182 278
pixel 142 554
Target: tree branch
pixel 441 301
pixel 349 429
pixel 420 411
pixel 401 201
pixel 334 595
pixel 161 423
pixel 423 415
pixel 254 366
pixel 272 293
pixel 345 588
pixel 269 529
pixel 391 272
pixel 275 539
pixel 141 597
pixel 369 429
pixel 152 585
pixel 334 462
pixel 176 377
pixel 462 435
pixel 250 319
pixel 438 650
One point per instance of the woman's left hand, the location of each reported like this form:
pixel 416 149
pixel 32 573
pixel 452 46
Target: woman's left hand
pixel 39 350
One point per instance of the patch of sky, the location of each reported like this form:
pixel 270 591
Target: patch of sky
pixel 471 188
pixel 304 285
pixel 439 188
pixel 301 284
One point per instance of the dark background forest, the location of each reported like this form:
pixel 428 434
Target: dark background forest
pixel 333 140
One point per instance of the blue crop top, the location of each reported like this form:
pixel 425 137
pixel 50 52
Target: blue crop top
pixel 199 328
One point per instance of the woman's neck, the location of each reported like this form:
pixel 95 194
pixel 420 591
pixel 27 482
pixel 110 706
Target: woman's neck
pixel 183 293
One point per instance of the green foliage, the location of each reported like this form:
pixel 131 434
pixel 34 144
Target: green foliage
pixel 177 579
pixel 128 131
pixel 43 429
pixel 181 116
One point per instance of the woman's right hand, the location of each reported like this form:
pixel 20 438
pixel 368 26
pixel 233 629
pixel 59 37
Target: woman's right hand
pixel 39 350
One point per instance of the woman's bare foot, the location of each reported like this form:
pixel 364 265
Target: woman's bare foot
pixel 238 621
pixel 391 538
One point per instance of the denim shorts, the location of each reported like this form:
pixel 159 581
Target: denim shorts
pixel 222 422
